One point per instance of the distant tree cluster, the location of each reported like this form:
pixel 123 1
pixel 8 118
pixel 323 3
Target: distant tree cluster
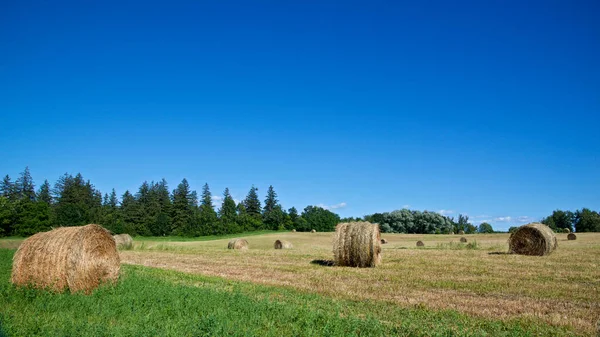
pixel 151 211
pixel 417 222
pixel 583 220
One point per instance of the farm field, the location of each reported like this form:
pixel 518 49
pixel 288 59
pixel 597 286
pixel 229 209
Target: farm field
pixel 444 288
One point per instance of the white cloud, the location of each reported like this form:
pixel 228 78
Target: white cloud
pixel 445 211
pixel 524 218
pixel 406 206
pixel 503 219
pixel 336 206
pixel 217 198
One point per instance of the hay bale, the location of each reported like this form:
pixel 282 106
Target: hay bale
pixel 75 258
pixel 357 244
pixel 420 244
pixel 384 241
pixel 533 239
pixel 293 231
pixel 461 232
pixel 282 244
pixel 571 236
pixel 313 231
pixel 237 244
pixel 566 230
pixel 463 239
pixel 123 241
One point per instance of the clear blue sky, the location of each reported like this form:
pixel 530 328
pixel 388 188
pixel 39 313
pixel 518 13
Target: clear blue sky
pixel 489 108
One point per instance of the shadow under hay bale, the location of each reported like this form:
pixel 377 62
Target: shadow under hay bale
pixel 123 241
pixel 357 244
pixel 420 244
pixel 463 239
pixel 237 244
pixel 533 239
pixel 282 244
pixel 326 263
pixel 74 258
pixel 500 253
pixel 571 236
pixel 384 241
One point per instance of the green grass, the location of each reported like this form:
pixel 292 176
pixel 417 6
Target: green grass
pixel 155 302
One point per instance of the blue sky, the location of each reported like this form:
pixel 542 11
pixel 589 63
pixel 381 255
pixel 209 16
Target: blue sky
pixel 489 108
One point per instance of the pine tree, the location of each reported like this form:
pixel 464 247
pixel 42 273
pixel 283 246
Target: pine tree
pixel 44 193
pixel 183 210
pixel 111 214
pixel 253 209
pixel 7 188
pixel 273 215
pixel 24 186
pixel 293 212
pixel 208 216
pixel 227 214
pixel 130 213
pixel 77 201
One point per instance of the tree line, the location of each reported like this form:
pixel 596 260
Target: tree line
pixel 583 220
pixel 151 211
pixel 425 222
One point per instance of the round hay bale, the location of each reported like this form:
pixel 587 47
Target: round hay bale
pixel 357 244
pixel 237 244
pixel 75 258
pixel 282 244
pixel 566 230
pixel 461 232
pixel 313 231
pixel 293 231
pixel 123 241
pixel 463 239
pixel 571 236
pixel 533 239
pixel 420 244
pixel 384 241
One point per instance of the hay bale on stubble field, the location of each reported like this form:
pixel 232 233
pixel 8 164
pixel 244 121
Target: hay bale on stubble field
pixel 533 239
pixel 313 231
pixel 463 239
pixel 571 236
pixel 566 230
pixel 461 232
pixel 420 244
pixel 357 244
pixel 384 241
pixel 123 241
pixel 282 244
pixel 75 258
pixel 237 244
pixel 293 231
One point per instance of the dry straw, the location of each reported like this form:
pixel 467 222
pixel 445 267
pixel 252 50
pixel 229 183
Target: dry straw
pixel 123 241
pixel 384 241
pixel 571 236
pixel 566 230
pixel 282 244
pixel 357 244
pixel 237 244
pixel 74 258
pixel 420 244
pixel 533 239
pixel 293 231
pixel 463 239
pixel 461 232
pixel 313 231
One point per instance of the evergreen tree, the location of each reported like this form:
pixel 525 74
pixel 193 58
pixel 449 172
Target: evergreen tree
pixel 184 203
pixel 111 215
pixel 273 214
pixel 162 222
pixel 227 214
pixel 253 209
pixel 7 188
pixel 293 213
pixel 24 186
pixel 145 210
pixel 130 214
pixel 208 216
pixel 8 216
pixel 44 193
pixel 77 202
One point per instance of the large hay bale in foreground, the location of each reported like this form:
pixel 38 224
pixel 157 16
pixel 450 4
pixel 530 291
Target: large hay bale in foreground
pixel 571 236
pixel 463 239
pixel 282 244
pixel 123 241
pixel 74 258
pixel 533 239
pixel 420 244
pixel 357 244
pixel 237 244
